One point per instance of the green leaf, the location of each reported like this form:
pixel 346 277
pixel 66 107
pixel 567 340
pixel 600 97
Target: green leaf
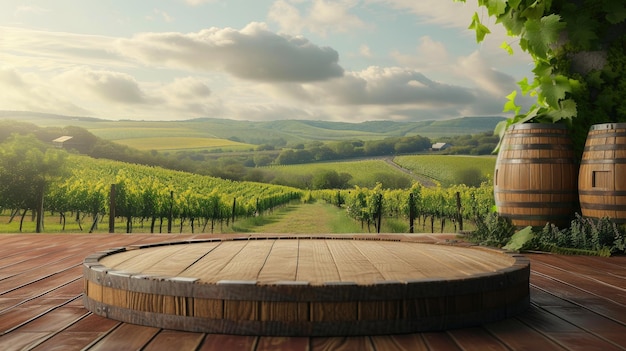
pixel 510 105
pixel 567 110
pixel 540 34
pixel 512 22
pixel 480 29
pixel 501 127
pixel 534 11
pixel 526 87
pixel 554 89
pixel 531 114
pixel 519 239
pixel 543 69
pixel 506 47
pixel 495 7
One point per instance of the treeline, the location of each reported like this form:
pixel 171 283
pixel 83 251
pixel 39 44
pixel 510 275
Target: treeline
pixel 339 150
pixel 475 144
pixel 243 166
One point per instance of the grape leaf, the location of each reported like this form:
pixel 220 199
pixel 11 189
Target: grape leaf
pixel 540 34
pixel 567 109
pixel 534 11
pixel 510 105
pixel 495 7
pixel 526 87
pixel 554 89
pixel 506 47
pixel 481 29
pixel 514 3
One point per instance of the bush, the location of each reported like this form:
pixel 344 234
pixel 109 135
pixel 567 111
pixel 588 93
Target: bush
pixel 492 230
pixel 584 236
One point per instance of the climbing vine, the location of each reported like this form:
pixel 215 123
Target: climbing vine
pixel 578 50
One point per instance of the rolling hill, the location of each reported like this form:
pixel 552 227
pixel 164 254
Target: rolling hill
pixel 258 132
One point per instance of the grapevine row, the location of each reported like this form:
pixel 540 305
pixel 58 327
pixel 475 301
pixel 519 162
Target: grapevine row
pixel 456 203
pixel 156 193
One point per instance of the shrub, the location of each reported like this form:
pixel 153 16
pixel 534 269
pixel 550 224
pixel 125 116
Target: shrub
pixel 492 230
pixel 584 236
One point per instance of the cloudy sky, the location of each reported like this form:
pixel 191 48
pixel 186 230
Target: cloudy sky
pixel 338 60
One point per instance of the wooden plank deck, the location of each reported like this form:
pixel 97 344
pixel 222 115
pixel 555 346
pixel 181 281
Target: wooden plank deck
pixel 577 303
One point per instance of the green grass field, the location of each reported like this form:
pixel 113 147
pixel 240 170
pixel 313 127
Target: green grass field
pixel 173 143
pixel 365 173
pixel 443 169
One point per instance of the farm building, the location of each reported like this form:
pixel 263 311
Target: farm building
pixel 440 146
pixel 60 142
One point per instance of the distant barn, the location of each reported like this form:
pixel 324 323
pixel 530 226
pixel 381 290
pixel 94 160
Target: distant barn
pixel 440 146
pixel 62 142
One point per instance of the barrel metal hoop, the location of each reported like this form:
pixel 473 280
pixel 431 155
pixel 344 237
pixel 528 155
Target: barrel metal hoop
pixel 546 218
pixel 607 126
pixel 537 147
pixel 536 160
pixel 596 206
pixel 516 204
pixel 602 161
pixel 603 192
pixel 604 147
pixel 536 192
pixel 606 135
pixel 560 136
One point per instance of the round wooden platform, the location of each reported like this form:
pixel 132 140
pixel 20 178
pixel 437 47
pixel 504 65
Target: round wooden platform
pixel 306 286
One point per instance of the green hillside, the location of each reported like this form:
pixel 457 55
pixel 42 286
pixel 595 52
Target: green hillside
pixel 252 132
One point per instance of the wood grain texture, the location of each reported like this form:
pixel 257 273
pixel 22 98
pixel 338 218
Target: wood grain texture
pixel 568 295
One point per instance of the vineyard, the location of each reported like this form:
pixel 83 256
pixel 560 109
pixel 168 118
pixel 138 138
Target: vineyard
pixel 172 201
pixel 156 194
pixel 432 207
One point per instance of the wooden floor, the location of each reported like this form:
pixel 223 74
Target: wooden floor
pixel 577 303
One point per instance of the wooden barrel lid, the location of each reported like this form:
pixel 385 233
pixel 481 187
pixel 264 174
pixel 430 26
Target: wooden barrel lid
pixel 320 285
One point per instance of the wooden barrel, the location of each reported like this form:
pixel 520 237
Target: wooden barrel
pixel 602 176
pixel 535 180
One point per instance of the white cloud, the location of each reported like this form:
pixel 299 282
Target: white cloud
pixel 53 50
pixel 390 86
pixel 30 92
pixel 252 53
pixel 109 86
pixel 321 17
pixel 429 55
pixel 458 15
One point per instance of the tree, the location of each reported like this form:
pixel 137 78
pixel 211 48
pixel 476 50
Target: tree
pixel 330 179
pixel 27 167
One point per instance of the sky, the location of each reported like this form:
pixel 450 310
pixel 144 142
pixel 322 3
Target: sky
pixel 334 60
